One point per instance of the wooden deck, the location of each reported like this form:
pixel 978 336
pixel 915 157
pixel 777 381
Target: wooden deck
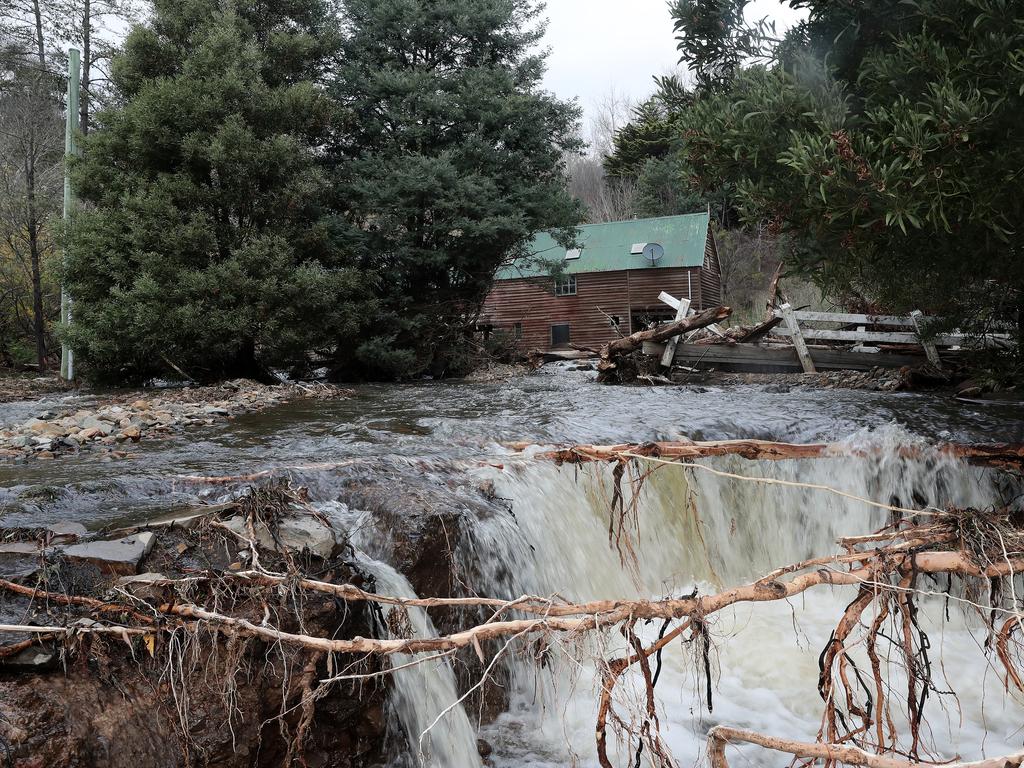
pixel 766 359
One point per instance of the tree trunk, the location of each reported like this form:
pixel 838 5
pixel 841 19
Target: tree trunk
pixel 41 49
pixel 38 323
pixel 84 105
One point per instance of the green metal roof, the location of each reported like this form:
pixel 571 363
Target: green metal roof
pixel 607 247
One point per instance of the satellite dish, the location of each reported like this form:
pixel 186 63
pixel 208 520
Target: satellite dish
pixel 653 252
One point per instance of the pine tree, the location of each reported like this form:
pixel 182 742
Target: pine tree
pixel 450 162
pixel 206 246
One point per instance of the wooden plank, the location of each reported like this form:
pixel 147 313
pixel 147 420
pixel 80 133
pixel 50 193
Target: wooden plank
pixel 798 340
pixel 878 337
pixel 682 309
pixel 850 318
pixel 929 344
pixel 672 301
pixel 751 358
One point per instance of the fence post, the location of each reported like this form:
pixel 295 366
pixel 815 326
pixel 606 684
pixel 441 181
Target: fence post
pixel 798 339
pixel 930 349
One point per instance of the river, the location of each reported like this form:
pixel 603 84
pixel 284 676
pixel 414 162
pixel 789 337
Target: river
pixel 546 532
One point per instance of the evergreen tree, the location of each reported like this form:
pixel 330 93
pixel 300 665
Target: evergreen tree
pixel 205 246
pixel 648 135
pixel 450 162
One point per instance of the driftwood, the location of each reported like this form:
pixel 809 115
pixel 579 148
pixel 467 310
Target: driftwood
pixel 662 333
pixel 615 352
pixel 999 455
pixel 720 736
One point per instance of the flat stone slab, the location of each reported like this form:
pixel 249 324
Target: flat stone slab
pixel 294 534
pixel 20 548
pixel 120 557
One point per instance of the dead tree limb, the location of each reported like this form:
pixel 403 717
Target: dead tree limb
pixel 614 352
pixel 999 455
pixel 720 736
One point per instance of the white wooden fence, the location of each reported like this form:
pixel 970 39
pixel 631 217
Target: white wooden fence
pixel 900 330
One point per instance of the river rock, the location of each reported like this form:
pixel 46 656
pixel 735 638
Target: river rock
pixel 35 658
pixel 132 433
pixel 120 557
pixel 101 426
pixel 39 427
pixel 294 534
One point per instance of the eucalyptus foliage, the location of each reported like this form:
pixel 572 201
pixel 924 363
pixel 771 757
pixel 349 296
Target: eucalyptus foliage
pixel 888 140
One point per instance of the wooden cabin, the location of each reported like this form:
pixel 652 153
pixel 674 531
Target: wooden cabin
pixel 608 285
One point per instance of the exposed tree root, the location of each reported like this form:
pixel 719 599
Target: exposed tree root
pixel 721 735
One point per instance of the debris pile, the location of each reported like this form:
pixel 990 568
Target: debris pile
pixel 175 641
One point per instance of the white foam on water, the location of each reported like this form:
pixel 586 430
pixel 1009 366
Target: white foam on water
pixel 423 696
pixel 698 529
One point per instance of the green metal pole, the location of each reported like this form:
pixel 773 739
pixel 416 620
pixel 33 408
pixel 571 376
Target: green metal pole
pixel 67 359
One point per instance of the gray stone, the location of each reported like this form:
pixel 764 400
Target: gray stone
pixel 295 534
pixel 104 427
pixel 19 548
pixel 118 556
pixel 141 578
pixel 34 658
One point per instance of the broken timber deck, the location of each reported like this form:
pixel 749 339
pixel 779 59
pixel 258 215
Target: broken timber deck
pixel 765 359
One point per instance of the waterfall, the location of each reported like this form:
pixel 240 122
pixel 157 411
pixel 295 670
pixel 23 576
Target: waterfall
pixel 421 692
pixel 707 531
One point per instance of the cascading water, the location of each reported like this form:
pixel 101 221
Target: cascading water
pixel 423 695
pixel 707 531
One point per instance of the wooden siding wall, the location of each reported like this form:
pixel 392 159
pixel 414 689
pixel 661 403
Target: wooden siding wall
pixel 711 275
pixel 532 302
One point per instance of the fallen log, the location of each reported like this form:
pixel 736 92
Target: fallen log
pixel 758 332
pixel 664 332
pixel 720 736
pixel 997 455
pixel 614 352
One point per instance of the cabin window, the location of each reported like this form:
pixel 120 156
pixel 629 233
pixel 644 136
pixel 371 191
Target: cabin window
pixel 517 330
pixel 565 286
pixel 560 335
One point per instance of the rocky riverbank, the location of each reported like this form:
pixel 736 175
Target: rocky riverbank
pixel 101 665
pixel 23 386
pixel 877 380
pixel 111 424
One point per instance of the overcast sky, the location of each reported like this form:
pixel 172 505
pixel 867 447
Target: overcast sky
pixel 600 45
